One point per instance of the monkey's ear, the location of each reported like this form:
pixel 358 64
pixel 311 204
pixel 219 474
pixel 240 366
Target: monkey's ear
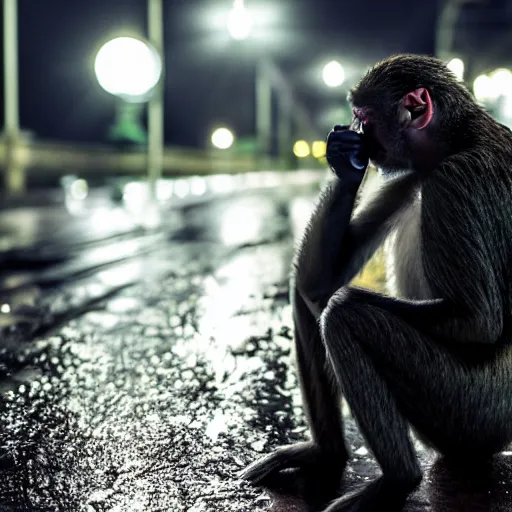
pixel 419 105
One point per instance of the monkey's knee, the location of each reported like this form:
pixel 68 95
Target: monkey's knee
pixel 347 318
pixel 337 315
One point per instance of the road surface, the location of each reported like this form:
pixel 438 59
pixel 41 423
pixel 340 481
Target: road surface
pixel 143 365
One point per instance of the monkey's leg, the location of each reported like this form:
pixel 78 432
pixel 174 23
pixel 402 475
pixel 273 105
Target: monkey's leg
pixel 344 329
pixel 325 457
pixel 391 375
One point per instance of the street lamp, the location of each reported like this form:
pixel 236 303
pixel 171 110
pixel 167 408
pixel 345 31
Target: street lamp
pixel 239 25
pixel 333 74
pixel 223 138
pixel 239 21
pixel 129 69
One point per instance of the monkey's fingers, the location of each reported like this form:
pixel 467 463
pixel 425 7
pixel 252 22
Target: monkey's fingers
pixel 297 456
pixel 339 127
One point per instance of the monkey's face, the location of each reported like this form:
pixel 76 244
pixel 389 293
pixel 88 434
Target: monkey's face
pixel 394 135
pixel 385 140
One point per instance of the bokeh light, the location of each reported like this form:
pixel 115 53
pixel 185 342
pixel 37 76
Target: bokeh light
pixel 484 88
pixel 502 80
pixel 333 74
pixel 318 148
pixel 239 21
pixel 491 87
pixel 456 66
pixel 79 189
pixel 301 149
pixel 128 68
pixel 223 138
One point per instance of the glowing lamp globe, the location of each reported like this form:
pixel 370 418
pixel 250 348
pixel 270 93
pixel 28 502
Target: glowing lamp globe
pixel 239 21
pixel 333 74
pixel 128 68
pixel 222 138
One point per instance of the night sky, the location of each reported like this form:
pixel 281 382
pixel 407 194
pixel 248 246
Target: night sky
pixel 209 78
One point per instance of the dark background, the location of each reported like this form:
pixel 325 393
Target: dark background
pixel 209 77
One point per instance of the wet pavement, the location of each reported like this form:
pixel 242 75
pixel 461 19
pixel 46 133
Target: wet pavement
pixel 145 357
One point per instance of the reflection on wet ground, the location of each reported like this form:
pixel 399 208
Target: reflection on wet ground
pixel 142 367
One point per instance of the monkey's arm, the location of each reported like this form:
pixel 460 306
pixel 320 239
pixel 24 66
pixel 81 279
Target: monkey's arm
pixel 316 255
pixel 334 247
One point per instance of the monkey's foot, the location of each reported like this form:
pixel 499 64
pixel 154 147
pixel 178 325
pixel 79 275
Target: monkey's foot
pixel 306 457
pixel 378 496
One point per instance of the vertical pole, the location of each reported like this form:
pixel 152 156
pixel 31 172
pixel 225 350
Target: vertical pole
pixel 263 111
pixel 284 129
pixel 448 13
pixel 156 103
pixel 14 173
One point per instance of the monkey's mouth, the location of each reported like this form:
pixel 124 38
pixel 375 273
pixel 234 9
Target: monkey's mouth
pixel 374 149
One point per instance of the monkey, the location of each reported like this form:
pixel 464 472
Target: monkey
pixel 434 355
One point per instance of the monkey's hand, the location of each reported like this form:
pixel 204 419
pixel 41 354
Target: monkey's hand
pixel 310 459
pixel 346 154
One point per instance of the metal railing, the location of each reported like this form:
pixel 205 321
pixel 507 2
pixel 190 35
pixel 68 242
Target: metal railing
pixel 21 160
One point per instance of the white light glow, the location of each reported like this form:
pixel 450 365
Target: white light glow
pixel 136 196
pixel 181 188
pixel 128 67
pixel 240 224
pixel 507 106
pixel 456 66
pixel 79 189
pixel 221 184
pixel 222 138
pixel 239 21
pixel 502 80
pixel 485 88
pixel 197 186
pixel 164 190
pixel 333 74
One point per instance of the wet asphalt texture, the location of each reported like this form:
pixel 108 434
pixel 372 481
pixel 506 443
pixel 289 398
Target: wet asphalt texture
pixel 142 366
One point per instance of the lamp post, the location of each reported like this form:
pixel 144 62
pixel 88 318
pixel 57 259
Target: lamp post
pixel 130 69
pixel 14 173
pixel 156 102
pixel 239 24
